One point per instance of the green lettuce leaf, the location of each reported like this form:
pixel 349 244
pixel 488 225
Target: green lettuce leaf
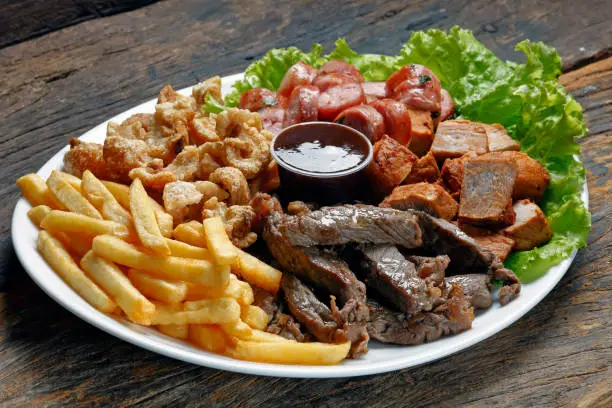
pixel 211 105
pixel 525 98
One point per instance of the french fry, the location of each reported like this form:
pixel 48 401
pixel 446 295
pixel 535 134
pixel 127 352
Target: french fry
pixel 112 280
pixel 62 263
pixel 238 329
pixel 171 267
pixel 179 331
pixel 237 289
pixel 122 195
pixel 217 241
pixel 254 316
pixel 70 197
pixel 191 233
pixel 73 242
pixel 75 223
pixel 145 221
pixel 35 190
pixel 290 352
pixel 73 180
pixel 258 272
pixel 103 200
pixel 38 213
pixel 158 289
pixel 216 311
pixel 261 336
pixel 184 250
pixel 209 337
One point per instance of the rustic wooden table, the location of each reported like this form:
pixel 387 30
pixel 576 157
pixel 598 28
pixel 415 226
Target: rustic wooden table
pixel 64 69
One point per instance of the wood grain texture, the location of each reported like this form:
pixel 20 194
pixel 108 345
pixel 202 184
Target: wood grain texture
pixel 59 85
pixel 26 19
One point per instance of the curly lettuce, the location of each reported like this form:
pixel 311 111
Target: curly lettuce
pixel 525 98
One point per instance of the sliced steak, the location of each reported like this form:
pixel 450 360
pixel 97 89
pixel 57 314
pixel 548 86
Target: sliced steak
pixel 431 268
pixel 280 323
pixel 394 277
pixel 324 269
pixel 352 223
pixel 454 316
pixel 486 192
pixel 311 312
pixel 476 287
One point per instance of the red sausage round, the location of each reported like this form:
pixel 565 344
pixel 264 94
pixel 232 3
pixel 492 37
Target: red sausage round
pixel 257 99
pixel 365 119
pixel 417 86
pixel 338 98
pixel 341 67
pixel 303 105
pixel 374 90
pixel 299 74
pixel 326 81
pixel 447 106
pixel 272 119
pixel 396 118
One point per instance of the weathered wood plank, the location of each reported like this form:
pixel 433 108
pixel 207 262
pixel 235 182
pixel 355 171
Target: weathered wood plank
pixel 27 19
pixel 59 85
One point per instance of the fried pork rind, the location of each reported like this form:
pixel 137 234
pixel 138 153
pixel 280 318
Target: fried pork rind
pixel 85 156
pixel 243 144
pixel 184 200
pixel 183 168
pixel 211 86
pixel 234 182
pixel 121 155
pixel 237 219
pixel 204 129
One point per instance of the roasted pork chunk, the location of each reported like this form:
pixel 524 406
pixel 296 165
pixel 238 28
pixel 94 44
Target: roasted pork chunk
pixel 452 173
pixel 499 140
pixel 391 164
pixel 422 131
pixel 432 198
pixel 530 228
pixel 424 170
pixel 454 138
pixel 486 193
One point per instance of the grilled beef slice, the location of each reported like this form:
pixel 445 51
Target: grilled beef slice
pixel 431 268
pixel 475 287
pixel 453 316
pixel 324 269
pixel 397 279
pixel 280 323
pixel 314 315
pixel 352 223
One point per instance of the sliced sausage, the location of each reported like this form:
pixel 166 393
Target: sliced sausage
pixel 338 98
pixel 417 86
pixel 374 90
pixel 303 105
pixel 257 99
pixel 299 74
pixel 272 119
pixel 396 118
pixel 447 106
pixel 365 119
pixel 326 81
pixel 341 67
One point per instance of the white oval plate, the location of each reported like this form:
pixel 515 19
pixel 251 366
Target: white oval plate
pixel 381 357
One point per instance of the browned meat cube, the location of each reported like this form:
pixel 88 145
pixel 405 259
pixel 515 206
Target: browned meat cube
pixel 531 177
pixel 499 244
pixel 530 228
pixel 454 138
pixel 452 172
pixel 424 170
pixel 499 140
pixel 390 165
pixel 422 131
pixel 486 192
pixel 432 198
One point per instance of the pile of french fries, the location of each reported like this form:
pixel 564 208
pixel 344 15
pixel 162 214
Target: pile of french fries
pixel 118 249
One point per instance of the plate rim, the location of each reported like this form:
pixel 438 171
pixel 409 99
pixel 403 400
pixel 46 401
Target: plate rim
pixel 30 260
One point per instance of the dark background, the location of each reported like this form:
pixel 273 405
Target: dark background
pixel 66 66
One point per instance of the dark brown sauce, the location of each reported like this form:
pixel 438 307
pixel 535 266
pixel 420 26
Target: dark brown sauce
pixel 317 148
